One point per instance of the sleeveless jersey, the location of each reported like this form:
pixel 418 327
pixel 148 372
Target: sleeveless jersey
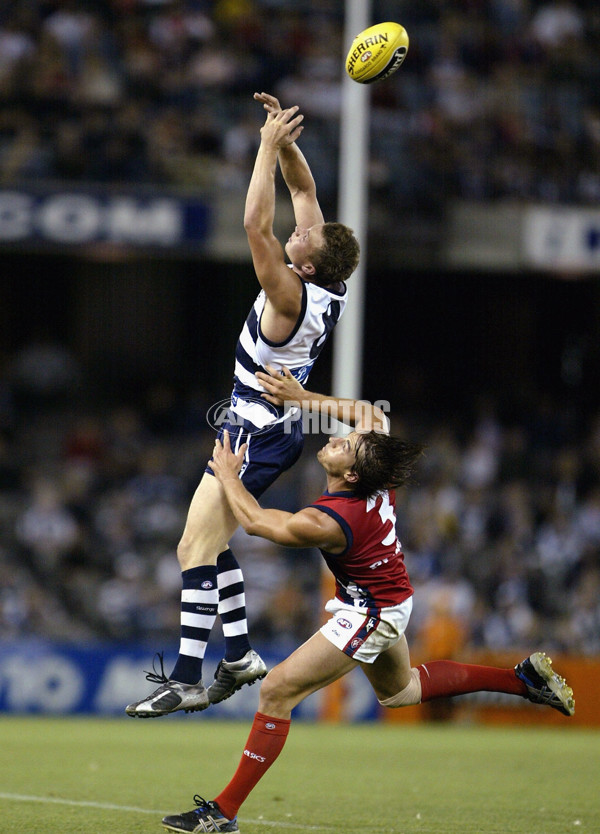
pixel 320 312
pixel 370 572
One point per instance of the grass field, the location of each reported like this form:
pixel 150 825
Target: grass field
pixel 105 776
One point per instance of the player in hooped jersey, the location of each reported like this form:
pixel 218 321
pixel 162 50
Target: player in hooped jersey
pixel 302 297
pixel 353 524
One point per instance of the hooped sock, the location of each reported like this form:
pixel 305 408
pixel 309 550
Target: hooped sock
pixel 199 600
pixel 232 606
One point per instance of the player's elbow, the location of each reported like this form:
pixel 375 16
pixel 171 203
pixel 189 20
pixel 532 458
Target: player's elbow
pixel 305 189
pixel 259 236
pixel 252 528
pixel 250 224
pixel 255 224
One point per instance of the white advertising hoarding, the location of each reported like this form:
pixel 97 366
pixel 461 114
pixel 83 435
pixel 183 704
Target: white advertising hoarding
pixel 562 238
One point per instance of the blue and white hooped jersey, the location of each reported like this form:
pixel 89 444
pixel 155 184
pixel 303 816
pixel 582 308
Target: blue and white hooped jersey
pixel 320 312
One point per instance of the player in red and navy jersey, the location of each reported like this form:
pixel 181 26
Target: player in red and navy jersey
pixel 370 572
pixel 354 526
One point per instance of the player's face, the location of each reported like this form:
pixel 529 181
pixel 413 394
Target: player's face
pixel 304 243
pixel 338 456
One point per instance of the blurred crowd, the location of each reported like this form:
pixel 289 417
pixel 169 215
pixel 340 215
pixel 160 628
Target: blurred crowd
pixel 501 527
pixel 497 98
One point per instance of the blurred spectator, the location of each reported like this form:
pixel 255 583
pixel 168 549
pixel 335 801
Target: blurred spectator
pixel 43 373
pixel 442 636
pixel 501 556
pixel 495 100
pixel 46 529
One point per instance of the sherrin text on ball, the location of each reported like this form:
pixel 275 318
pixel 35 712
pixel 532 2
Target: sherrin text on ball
pixel 377 52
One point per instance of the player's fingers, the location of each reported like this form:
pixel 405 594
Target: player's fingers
pixel 265 381
pixel 296 134
pixel 289 114
pixel 272 370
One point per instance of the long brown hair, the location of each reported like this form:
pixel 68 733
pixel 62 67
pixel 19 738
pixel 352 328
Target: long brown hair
pixel 383 462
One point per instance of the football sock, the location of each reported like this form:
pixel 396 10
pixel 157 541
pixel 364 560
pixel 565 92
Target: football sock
pixel 199 599
pixel 265 743
pixel 232 606
pixel 444 678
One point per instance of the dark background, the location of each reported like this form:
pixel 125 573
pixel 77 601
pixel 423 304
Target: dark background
pixel 435 343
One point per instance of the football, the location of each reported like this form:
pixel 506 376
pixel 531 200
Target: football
pixel 377 52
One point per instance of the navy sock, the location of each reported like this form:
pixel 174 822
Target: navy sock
pixel 199 600
pixel 232 606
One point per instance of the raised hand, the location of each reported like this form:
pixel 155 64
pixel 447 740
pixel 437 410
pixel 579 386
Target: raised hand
pixel 282 127
pixel 269 102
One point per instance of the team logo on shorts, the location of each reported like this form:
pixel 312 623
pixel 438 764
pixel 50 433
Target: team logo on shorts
pixel 206 585
pixel 356 643
pixel 344 623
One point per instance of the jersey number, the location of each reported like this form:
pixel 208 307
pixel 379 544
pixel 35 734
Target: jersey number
pixel 330 319
pixel 386 513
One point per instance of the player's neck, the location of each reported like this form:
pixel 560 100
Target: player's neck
pixel 335 483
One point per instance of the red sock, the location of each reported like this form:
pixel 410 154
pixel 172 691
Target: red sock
pixel 265 743
pixel 443 678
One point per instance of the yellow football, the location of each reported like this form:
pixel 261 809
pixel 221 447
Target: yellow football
pixel 377 52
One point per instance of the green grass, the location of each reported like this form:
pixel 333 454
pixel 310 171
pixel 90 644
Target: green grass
pixel 95 776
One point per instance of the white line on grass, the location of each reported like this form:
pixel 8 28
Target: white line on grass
pixel 107 806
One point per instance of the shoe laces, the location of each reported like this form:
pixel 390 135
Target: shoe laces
pixel 200 801
pixel 154 676
pixel 203 806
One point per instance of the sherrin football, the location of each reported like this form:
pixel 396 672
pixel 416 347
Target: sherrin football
pixel 377 52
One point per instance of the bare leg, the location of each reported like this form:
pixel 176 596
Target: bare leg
pixel 314 665
pixel 209 526
pixel 391 672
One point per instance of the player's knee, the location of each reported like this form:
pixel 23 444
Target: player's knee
pixel 410 695
pixel 185 552
pixel 192 552
pixel 275 693
pixel 272 691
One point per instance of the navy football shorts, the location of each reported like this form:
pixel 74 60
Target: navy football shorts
pixel 270 452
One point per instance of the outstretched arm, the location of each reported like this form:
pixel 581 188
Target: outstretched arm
pixel 296 173
pixel 281 284
pixel 307 528
pixel 282 388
